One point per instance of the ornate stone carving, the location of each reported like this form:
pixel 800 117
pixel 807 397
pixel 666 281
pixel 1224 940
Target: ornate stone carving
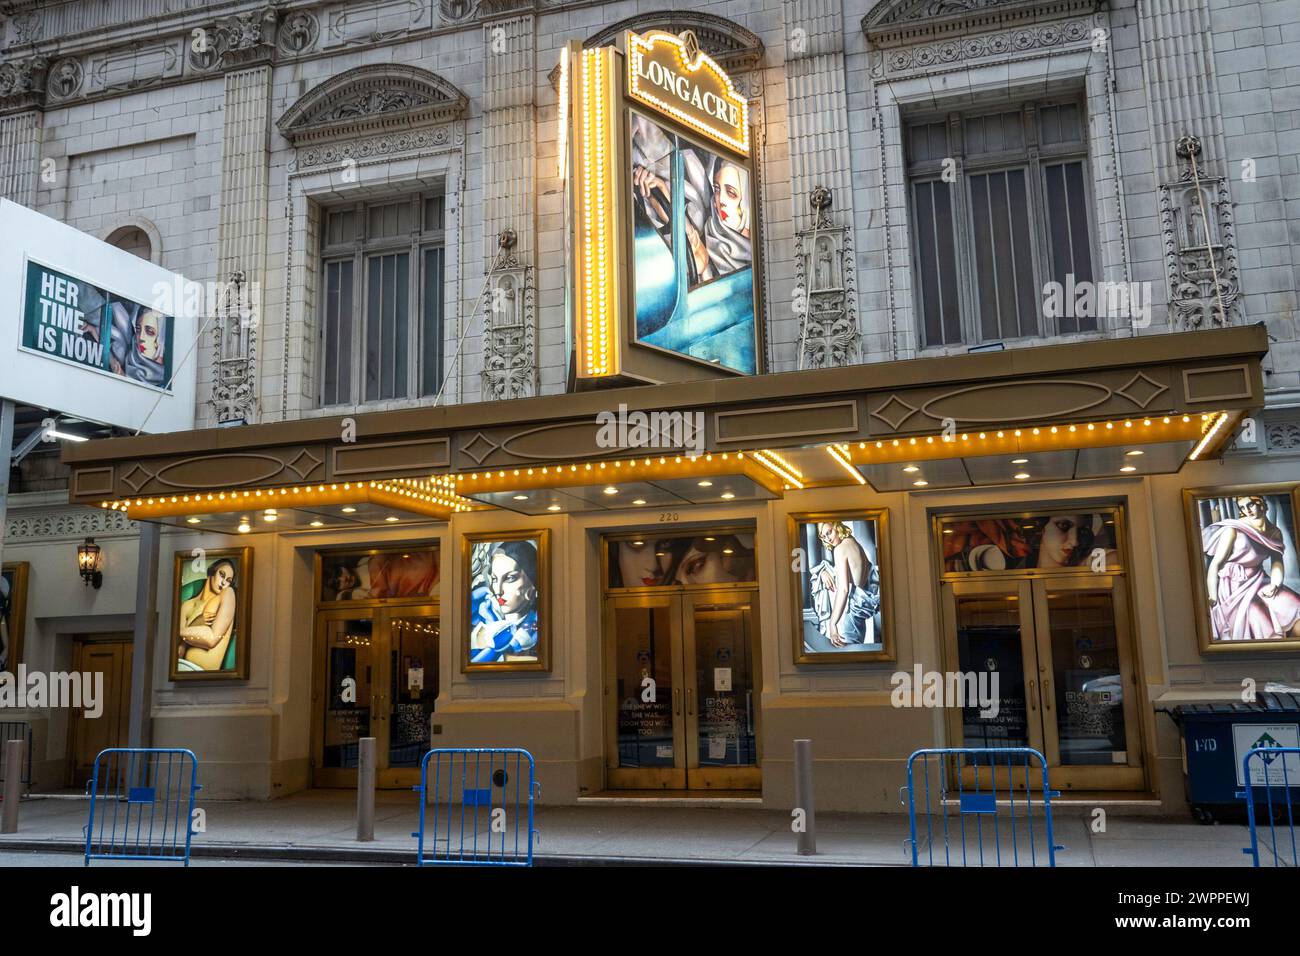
pixel 736 49
pixel 22 83
pixel 70 523
pixel 64 79
pixel 456 11
pixel 826 289
pixel 957 50
pixel 245 36
pixel 371 99
pixel 1282 436
pixel 509 337
pixel 26 28
pixel 234 341
pixel 1200 246
pixel 906 21
pixel 298 33
pixel 376 146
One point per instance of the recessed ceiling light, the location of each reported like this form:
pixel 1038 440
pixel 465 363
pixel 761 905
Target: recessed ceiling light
pixel 1129 468
pixel 611 490
pixel 392 518
pixel 245 527
pixel 521 497
pixel 348 510
pixel 727 495
pixel 710 539
pixel 271 511
pixel 317 523
pixel 1135 452
pixel 728 551
pixel 1019 461
pixel 638 543
pixel 192 520
pixel 920 482
pixel 1021 475
pixel 910 468
pixel 706 484
pixel 638 501
pixel 947 530
pixel 552 507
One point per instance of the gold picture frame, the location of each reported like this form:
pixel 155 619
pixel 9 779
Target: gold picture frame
pixel 15 621
pixel 483 624
pixel 881 621
pixel 326 558
pixel 1259 610
pixel 208 607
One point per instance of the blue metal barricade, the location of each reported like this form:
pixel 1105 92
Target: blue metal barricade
pixel 17 730
pixel 1273 772
pixel 979 807
pixel 142 804
pixel 479 809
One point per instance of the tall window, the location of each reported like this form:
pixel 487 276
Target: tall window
pixel 999 209
pixel 382 300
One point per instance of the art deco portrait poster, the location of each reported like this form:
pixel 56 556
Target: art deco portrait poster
pixel 507 603
pixel 840 570
pixel 692 249
pixel 1242 543
pixel 212 603
pixel 13 603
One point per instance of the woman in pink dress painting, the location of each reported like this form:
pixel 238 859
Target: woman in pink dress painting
pixel 1248 601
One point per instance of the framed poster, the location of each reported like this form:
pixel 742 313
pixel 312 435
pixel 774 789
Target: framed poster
pixel 1048 541
pixel 709 556
pixel 13 614
pixel 212 604
pixel 840 573
pixel 693 241
pixel 1242 546
pixel 507 601
pixel 408 572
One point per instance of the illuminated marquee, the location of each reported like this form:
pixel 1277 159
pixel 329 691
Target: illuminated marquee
pixel 672 74
pixel 660 214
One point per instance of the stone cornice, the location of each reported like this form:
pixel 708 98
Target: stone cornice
pixel 896 22
pixel 372 99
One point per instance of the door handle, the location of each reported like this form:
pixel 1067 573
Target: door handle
pixel 1047 695
pixel 690 703
pixel 677 701
pixel 1033 695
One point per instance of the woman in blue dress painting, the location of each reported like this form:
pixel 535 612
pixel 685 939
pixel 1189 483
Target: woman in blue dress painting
pixel 503 621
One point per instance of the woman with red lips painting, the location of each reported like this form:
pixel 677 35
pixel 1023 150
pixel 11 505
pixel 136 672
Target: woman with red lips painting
pixel 504 622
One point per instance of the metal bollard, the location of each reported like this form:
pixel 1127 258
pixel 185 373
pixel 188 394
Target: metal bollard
pixel 803 796
pixel 13 784
pixel 366 789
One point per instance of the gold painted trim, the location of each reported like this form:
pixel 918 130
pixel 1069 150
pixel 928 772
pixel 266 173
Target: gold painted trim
pixel 17 612
pixel 719 417
pixel 1189 373
pixel 439 457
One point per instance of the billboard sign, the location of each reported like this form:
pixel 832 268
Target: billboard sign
pixel 91 331
pixel 663 220
pixel 69 319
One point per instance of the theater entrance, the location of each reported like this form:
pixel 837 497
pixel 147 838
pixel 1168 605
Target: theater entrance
pixel 1042 601
pixel 681 663
pixel 376 664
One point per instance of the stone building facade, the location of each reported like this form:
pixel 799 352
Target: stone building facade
pixel 242 144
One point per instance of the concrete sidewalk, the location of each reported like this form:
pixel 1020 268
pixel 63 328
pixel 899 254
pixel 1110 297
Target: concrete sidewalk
pixel 321 825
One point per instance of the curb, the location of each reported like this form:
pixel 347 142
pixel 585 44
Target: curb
pixel 396 857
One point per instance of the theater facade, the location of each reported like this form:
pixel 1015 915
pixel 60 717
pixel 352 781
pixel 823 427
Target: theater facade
pixel 650 391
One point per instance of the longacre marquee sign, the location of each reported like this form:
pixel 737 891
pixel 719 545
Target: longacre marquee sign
pixel 673 75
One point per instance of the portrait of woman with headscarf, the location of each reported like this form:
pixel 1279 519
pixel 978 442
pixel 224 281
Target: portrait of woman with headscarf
pixel 138 349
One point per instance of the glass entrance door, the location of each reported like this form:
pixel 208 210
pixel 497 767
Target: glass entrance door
pixel 376 676
pixel 1061 650
pixel 679 688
